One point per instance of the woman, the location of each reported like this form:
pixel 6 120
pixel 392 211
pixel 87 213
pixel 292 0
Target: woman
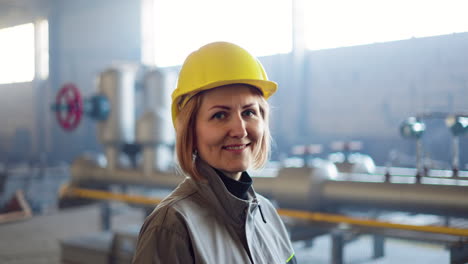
pixel 220 114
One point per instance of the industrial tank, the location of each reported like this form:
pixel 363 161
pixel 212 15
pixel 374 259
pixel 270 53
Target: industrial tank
pixel 117 84
pixel 154 131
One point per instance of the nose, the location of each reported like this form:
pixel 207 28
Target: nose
pixel 237 127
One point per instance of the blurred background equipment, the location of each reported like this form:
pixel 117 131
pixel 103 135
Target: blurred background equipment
pixel 369 161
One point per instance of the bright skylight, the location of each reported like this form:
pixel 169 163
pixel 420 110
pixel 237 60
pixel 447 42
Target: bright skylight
pixel 335 23
pixel 17 54
pixel 261 26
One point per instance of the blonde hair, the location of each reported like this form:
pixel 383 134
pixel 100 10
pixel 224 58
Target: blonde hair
pixel 185 135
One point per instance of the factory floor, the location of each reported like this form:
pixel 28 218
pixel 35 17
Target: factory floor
pixel 360 252
pixel 36 240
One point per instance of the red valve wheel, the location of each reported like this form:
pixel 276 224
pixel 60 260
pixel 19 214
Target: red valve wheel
pixel 70 107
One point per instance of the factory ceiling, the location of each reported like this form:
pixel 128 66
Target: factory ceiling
pixel 13 12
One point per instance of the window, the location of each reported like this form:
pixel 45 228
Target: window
pixel 263 27
pixel 335 23
pixel 17 54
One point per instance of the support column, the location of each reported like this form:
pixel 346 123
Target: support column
pixel 459 254
pixel 378 242
pixel 337 247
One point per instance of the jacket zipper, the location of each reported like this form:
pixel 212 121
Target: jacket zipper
pixel 261 213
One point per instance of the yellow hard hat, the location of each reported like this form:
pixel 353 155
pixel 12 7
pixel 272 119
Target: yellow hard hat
pixel 217 64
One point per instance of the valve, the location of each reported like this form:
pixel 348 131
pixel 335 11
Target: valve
pixel 458 124
pixel 412 128
pixel 69 107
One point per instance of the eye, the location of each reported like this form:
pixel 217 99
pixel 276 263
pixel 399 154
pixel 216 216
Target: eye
pixel 219 115
pixel 249 112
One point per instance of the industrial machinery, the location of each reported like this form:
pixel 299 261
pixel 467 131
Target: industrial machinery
pixel 414 128
pixel 114 108
pixel 331 200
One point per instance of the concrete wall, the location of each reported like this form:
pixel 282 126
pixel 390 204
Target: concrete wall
pixel 17 12
pixel 20 136
pixel 374 87
pixel 17 129
pixel 87 37
pixel 365 92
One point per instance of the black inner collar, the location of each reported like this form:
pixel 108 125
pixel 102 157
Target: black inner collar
pixel 237 188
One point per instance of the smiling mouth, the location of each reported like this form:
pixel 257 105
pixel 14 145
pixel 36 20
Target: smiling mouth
pixel 236 147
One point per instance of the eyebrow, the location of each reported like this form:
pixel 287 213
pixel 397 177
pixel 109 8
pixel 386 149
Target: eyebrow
pixel 228 108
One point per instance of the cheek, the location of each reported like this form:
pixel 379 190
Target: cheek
pixel 257 131
pixel 206 137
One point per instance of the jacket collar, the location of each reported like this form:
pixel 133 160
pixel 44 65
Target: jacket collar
pixel 216 193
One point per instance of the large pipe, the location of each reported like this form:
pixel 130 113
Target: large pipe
pixel 87 170
pixel 312 189
pixel 417 198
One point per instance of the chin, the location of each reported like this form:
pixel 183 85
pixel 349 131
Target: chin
pixel 234 169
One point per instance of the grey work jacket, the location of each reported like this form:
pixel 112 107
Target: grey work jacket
pixel 202 222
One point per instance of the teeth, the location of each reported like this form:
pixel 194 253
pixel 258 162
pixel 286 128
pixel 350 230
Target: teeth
pixel 236 147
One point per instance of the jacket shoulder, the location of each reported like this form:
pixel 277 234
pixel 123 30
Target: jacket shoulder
pixel 165 229
pixel 171 211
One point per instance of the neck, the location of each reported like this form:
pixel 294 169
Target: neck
pixel 233 175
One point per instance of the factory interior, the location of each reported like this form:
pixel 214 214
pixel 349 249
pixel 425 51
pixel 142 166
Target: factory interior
pixel 369 158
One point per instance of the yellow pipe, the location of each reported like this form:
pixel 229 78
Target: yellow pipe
pixel 333 218
pixel 309 216
pixel 110 196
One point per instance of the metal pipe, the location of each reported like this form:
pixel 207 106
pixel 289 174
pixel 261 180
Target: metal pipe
pixel 86 170
pixel 333 218
pixel 418 198
pixel 310 189
pixel 455 155
pixel 149 157
pixel 419 162
pixel 108 196
pixel 112 157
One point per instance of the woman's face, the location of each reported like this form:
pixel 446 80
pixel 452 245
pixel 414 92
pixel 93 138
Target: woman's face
pixel 229 128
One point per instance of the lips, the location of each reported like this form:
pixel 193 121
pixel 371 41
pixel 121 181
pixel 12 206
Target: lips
pixel 236 147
